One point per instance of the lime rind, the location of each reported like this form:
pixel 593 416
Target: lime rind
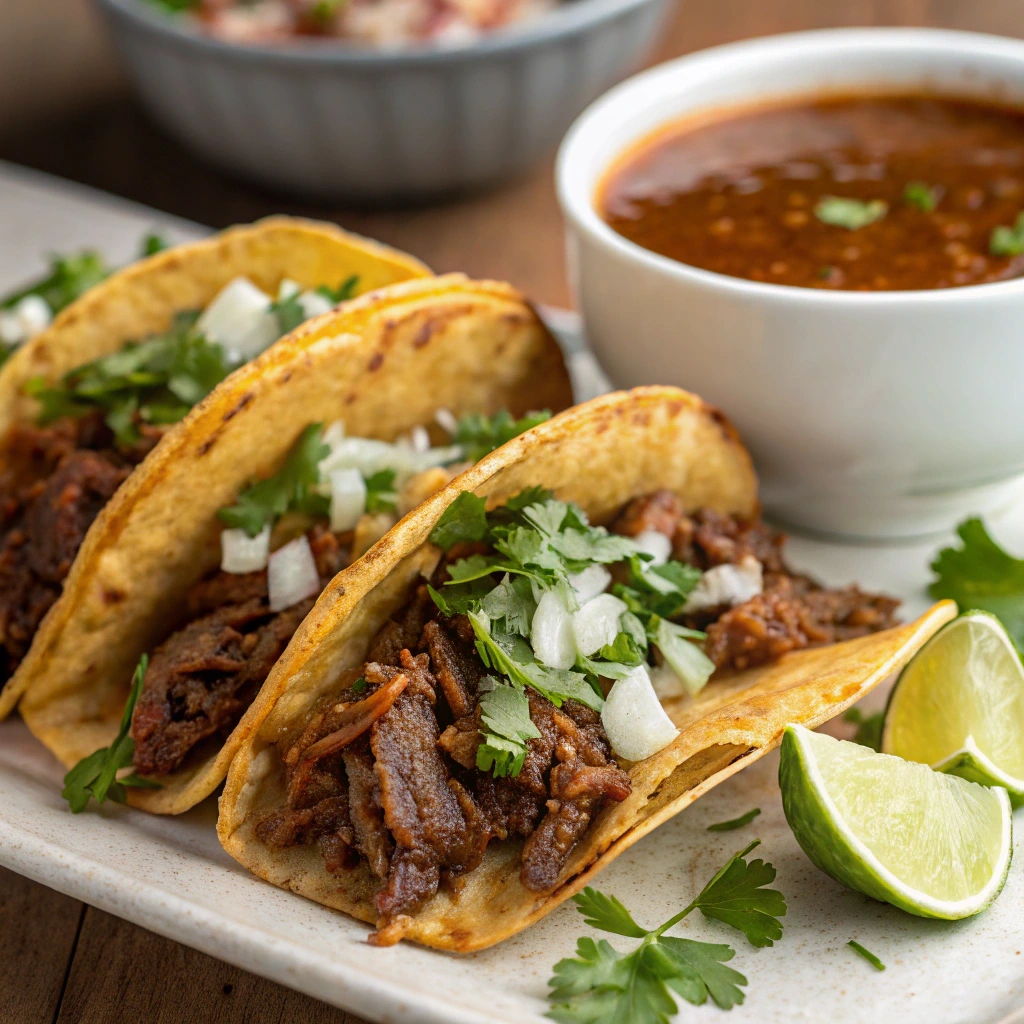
pixel 917 697
pixel 971 764
pixel 831 845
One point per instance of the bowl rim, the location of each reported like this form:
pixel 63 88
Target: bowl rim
pixel 578 202
pixel 564 20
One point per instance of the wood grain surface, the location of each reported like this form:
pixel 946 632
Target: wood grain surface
pixel 64 109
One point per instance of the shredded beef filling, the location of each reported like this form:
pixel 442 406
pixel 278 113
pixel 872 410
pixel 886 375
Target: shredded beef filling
pixel 53 483
pixel 792 611
pixel 403 748
pixel 203 677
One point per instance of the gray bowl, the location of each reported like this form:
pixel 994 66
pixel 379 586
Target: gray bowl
pixel 326 121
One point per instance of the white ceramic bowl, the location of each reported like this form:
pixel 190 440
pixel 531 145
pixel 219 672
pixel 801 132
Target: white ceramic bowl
pixel 329 121
pixel 885 414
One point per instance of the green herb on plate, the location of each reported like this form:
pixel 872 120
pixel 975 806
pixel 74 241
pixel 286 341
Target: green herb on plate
pixel 867 955
pixel 95 776
pixel 869 727
pixel 979 574
pixel 600 985
pixel 728 826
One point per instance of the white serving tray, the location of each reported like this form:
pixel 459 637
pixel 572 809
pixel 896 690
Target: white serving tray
pixel 170 875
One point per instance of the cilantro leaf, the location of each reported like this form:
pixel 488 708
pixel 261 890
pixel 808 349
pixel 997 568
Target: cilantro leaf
pixel 288 490
pixel 737 897
pixel 851 214
pixel 157 381
pixel 728 826
pixel 1008 241
pixel 380 491
pixel 95 776
pixel 606 913
pixel 512 601
pixel 869 727
pixel 465 519
pixel 346 290
pixel 600 985
pixel 289 313
pixel 69 277
pixel 152 244
pixel 513 658
pixel 921 196
pixel 867 955
pixel 981 575
pixel 480 435
pixel 505 715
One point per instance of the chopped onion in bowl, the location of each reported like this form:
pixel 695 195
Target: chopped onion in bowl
pixel 655 544
pixel 239 319
pixel 690 664
pixel 420 440
pixel 726 585
pixel 291 574
pixel 551 632
pixel 634 719
pixel 597 623
pixel 240 553
pixel 590 582
pixel 348 498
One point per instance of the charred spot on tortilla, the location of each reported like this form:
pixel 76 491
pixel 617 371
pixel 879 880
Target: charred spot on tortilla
pixel 376 361
pixel 245 400
pixel 111 596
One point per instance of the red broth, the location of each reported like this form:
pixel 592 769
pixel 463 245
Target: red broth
pixel 877 193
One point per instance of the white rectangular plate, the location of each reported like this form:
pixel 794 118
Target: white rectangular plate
pixel 171 876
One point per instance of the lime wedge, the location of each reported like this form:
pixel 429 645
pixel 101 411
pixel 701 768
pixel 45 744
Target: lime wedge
pixel 934 845
pixel 959 705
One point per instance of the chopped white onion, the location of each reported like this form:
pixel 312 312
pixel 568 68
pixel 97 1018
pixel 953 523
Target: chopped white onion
pixel 446 421
pixel 314 304
pixel 334 434
pixel 292 575
pixel 348 498
pixel 726 585
pixel 240 553
pixel 370 456
pixel 590 582
pixel 597 623
pixel 634 719
pixel 420 440
pixel 25 319
pixel 655 544
pixel 288 289
pixel 240 320
pixel 692 666
pixel 551 632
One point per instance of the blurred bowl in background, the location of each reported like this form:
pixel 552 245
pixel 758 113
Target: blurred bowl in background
pixel 326 121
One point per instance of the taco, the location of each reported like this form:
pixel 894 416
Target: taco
pixel 84 401
pixel 209 556
pixel 467 726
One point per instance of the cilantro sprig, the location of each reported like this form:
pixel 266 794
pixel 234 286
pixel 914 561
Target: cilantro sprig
pixel 480 435
pixel 734 823
pixel 291 489
pixel 979 574
pixel 507 727
pixel 600 985
pixel 843 212
pixel 1008 241
pixel 921 196
pixel 867 955
pixel 95 777
pixel 154 381
pixel 869 727
pixel 69 277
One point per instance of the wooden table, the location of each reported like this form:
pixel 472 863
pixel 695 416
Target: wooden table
pixel 65 962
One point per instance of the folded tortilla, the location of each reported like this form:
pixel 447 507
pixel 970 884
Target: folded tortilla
pixel 599 455
pixel 382 364
pixel 142 300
